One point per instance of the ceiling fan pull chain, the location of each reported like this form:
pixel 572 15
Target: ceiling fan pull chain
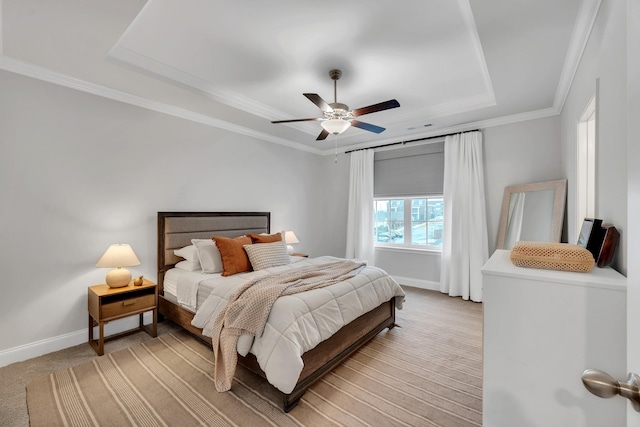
pixel 336 141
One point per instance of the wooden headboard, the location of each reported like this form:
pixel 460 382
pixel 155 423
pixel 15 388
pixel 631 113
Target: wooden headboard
pixel 176 229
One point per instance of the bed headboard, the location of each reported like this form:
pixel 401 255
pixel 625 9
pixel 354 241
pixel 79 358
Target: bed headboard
pixel 176 229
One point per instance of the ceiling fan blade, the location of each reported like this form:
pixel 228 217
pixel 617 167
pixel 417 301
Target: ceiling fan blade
pixel 367 126
pixel 315 119
pixel 323 135
pixel 392 103
pixel 321 103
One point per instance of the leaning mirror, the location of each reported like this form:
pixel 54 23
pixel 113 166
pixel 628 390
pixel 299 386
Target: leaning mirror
pixel 532 212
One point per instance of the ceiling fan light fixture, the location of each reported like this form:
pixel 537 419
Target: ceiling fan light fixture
pixel 337 117
pixel 335 126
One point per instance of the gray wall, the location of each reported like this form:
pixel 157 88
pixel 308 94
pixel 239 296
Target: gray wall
pixel 518 153
pixel 604 59
pixel 514 154
pixel 79 172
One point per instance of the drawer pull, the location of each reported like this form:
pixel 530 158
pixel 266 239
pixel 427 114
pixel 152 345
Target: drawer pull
pixel 129 302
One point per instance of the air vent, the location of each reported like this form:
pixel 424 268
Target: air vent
pixel 419 126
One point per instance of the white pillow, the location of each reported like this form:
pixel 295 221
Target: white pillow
pixel 188 252
pixel 266 255
pixel 209 255
pixel 190 255
pixel 188 265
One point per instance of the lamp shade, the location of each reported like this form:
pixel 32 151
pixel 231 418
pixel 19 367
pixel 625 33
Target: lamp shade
pixel 291 238
pixel 118 256
pixel 335 126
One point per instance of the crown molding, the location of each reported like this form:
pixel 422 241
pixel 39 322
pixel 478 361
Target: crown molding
pixel 582 29
pixel 46 75
pixel 151 67
pixel 579 37
pixel 477 102
pixel 467 14
pixel 147 65
pixel 480 124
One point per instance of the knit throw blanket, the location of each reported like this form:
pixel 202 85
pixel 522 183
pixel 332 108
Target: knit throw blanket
pixel 248 309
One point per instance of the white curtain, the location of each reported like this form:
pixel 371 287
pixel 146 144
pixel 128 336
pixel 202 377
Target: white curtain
pixel 514 219
pixel 465 245
pixel 360 216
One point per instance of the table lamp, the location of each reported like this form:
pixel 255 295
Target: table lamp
pixel 291 239
pixel 118 256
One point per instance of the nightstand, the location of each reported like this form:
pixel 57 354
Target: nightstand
pixel 299 254
pixel 107 304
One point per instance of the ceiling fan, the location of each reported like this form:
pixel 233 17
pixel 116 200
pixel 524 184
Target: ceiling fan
pixel 338 117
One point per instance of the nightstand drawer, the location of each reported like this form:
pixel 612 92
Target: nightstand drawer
pixel 128 305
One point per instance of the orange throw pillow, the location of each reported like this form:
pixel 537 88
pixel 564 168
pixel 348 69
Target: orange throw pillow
pixel 265 238
pixel 234 257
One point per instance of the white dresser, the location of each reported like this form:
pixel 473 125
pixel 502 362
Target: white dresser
pixel 542 329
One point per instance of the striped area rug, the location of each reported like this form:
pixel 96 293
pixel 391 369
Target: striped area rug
pixel 425 372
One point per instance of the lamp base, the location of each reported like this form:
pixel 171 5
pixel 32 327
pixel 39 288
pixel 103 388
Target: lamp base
pixel 290 249
pixel 118 277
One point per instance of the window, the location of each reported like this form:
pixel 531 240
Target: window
pixel 418 226
pixel 408 205
pixel 586 164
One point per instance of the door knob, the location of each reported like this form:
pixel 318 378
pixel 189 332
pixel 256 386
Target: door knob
pixel 604 385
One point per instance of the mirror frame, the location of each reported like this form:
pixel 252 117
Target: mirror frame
pixel 559 202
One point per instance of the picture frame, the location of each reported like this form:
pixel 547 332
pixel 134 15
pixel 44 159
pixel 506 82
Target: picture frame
pixel 591 236
pixel 610 237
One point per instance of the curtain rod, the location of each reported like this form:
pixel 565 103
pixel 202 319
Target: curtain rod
pixel 411 140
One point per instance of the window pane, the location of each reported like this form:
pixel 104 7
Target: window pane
pixel 426 218
pixel 380 220
pixel 435 234
pixel 418 223
pixel 436 210
pixel 418 209
pixel 396 224
pixel 419 233
pixel 389 221
pixel 435 218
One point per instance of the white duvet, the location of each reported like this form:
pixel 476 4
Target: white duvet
pixel 299 322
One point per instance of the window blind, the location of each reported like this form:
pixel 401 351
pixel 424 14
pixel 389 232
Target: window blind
pixel 409 171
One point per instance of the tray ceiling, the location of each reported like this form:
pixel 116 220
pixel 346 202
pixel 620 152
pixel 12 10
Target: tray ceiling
pixel 452 64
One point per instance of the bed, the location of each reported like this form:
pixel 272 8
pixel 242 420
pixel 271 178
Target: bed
pixel 177 229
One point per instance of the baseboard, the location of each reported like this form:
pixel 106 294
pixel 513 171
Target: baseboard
pixel 38 348
pixel 418 283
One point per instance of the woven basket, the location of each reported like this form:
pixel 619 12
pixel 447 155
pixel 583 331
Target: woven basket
pixel 552 256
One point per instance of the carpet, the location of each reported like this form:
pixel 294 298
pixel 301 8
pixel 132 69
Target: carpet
pixel 425 372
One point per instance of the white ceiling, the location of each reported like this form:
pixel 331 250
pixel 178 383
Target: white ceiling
pixel 452 64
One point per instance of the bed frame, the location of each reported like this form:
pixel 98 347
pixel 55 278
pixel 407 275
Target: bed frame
pixel 176 229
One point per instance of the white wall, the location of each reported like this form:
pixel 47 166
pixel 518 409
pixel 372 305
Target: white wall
pixel 604 59
pixel 79 172
pixel 518 153
pixel 514 154
pixel 328 223
pixel 633 192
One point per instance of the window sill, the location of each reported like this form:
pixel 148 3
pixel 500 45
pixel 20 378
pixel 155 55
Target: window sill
pixel 408 250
